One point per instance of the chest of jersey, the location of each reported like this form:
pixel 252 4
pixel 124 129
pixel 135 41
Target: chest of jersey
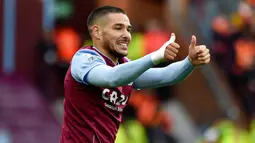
pixel 116 98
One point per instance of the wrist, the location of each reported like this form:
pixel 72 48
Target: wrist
pixel 156 57
pixel 190 61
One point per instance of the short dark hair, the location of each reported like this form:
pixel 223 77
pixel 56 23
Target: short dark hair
pixel 101 11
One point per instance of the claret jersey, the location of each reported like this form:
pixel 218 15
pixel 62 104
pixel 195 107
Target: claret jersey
pixel 92 114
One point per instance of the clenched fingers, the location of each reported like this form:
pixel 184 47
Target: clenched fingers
pixel 204 53
pixel 200 49
pixel 170 55
pixel 205 57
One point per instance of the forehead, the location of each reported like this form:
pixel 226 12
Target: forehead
pixel 114 18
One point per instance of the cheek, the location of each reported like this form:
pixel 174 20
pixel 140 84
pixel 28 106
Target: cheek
pixel 109 37
pixel 109 41
pixel 114 34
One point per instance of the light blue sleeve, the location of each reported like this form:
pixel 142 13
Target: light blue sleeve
pixel 83 61
pixel 158 77
pixel 120 75
pixel 89 67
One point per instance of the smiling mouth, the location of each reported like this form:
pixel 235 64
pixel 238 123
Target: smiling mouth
pixel 123 45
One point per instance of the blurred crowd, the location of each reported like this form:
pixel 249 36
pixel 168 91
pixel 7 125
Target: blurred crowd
pixel 228 28
pixel 233 50
pixel 231 34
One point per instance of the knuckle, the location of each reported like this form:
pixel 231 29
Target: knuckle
pixel 168 46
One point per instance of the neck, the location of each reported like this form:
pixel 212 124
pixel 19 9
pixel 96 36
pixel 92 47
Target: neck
pixel 106 53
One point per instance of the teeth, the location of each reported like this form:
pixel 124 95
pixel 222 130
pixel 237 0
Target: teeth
pixel 123 44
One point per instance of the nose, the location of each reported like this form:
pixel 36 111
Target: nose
pixel 126 35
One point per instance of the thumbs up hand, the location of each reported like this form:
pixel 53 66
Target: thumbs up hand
pixel 198 55
pixel 167 52
pixel 171 49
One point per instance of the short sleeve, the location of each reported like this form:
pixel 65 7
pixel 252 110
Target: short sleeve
pixel 83 62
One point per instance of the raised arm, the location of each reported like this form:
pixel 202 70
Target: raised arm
pixel 158 77
pixel 176 72
pixel 90 68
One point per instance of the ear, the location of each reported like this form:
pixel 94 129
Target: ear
pixel 96 31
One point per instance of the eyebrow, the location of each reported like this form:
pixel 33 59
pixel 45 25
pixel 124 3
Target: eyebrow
pixel 120 24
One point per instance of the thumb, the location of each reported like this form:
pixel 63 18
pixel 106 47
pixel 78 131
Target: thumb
pixel 172 38
pixel 193 41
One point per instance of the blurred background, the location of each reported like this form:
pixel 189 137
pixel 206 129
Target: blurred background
pixel 216 104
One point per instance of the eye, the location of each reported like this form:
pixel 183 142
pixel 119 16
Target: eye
pixel 117 28
pixel 129 30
